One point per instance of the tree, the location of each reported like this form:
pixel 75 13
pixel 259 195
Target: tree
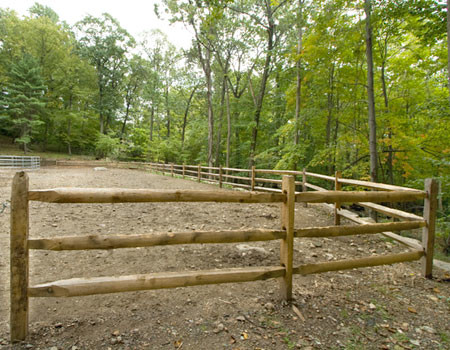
pixel 104 43
pixel 371 94
pixel 23 100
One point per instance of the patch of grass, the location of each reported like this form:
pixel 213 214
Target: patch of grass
pixel 46 155
pixel 290 344
pixel 355 342
pixel 445 338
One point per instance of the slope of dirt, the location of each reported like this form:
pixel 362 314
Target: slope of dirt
pixel 388 307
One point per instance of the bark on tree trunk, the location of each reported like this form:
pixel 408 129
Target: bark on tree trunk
pixel 219 127
pixel 166 96
pixel 448 45
pixel 299 78
pixel 152 120
pixel 370 95
pixel 265 76
pixel 227 161
pixel 186 112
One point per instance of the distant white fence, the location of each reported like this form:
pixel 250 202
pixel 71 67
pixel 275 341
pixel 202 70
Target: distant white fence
pixel 20 162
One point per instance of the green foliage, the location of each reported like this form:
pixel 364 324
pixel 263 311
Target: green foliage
pixel 23 99
pixel 107 146
pixel 149 100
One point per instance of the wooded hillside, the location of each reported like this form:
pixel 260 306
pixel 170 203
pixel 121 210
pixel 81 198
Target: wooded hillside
pixel 277 84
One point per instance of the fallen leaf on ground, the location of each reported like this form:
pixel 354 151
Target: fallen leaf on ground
pixel 412 310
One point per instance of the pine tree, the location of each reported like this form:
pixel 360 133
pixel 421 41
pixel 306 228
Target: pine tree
pixel 23 99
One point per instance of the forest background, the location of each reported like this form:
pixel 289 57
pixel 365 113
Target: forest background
pixel 271 83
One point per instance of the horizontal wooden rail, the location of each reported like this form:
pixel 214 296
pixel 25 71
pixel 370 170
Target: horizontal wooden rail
pixel 236 177
pixel 237 170
pixel 236 185
pixel 338 265
pixel 377 186
pixel 278 172
pixel 395 213
pixel 412 243
pixel 348 230
pixel 268 189
pixel 103 285
pixel 274 181
pixel 113 195
pixel 320 176
pixel 209 174
pixel 153 239
pixel 353 197
pixel 210 167
pixel 314 187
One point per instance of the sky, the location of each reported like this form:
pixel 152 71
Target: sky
pixel 136 16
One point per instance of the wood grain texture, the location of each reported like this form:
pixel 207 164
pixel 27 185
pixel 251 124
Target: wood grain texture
pixel 19 258
pixel 358 263
pixel 429 214
pixel 355 196
pixel 349 230
pixel 287 244
pixel 104 285
pixel 117 195
pixel 153 239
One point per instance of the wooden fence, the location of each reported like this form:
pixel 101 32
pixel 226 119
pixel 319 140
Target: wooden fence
pixel 255 179
pixel 21 291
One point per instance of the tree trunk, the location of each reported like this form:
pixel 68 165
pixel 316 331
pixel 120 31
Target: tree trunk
pixel 330 106
pixel 390 159
pixel 448 45
pixel 166 95
pixel 152 120
pixel 299 77
pixel 262 89
pixel 227 161
pixel 370 95
pixel 219 128
pixel 127 113
pixel 186 111
pixel 69 127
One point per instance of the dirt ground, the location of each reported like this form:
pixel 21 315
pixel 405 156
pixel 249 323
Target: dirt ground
pixel 387 307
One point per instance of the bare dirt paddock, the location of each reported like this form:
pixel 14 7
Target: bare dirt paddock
pixel 388 307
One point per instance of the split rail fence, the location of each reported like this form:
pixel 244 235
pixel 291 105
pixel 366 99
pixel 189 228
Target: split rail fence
pixel 21 243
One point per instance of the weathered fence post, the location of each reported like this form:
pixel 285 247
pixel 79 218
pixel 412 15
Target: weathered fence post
pixel 252 185
pixel 337 205
pixel 19 257
pixel 287 244
pixel 220 176
pixel 304 188
pixel 184 170
pixel 199 172
pixel 429 215
pixel 171 169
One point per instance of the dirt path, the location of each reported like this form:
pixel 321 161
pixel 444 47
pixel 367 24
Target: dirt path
pixel 389 307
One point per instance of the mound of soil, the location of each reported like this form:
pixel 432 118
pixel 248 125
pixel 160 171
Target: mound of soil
pixel 387 307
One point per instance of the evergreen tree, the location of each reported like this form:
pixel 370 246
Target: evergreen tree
pixel 23 99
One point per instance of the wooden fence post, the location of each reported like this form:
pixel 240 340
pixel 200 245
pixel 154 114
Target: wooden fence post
pixel 184 170
pixel 171 169
pixel 304 188
pixel 429 215
pixel 287 244
pixel 252 185
pixel 337 205
pixel 19 257
pixel 220 176
pixel 199 172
